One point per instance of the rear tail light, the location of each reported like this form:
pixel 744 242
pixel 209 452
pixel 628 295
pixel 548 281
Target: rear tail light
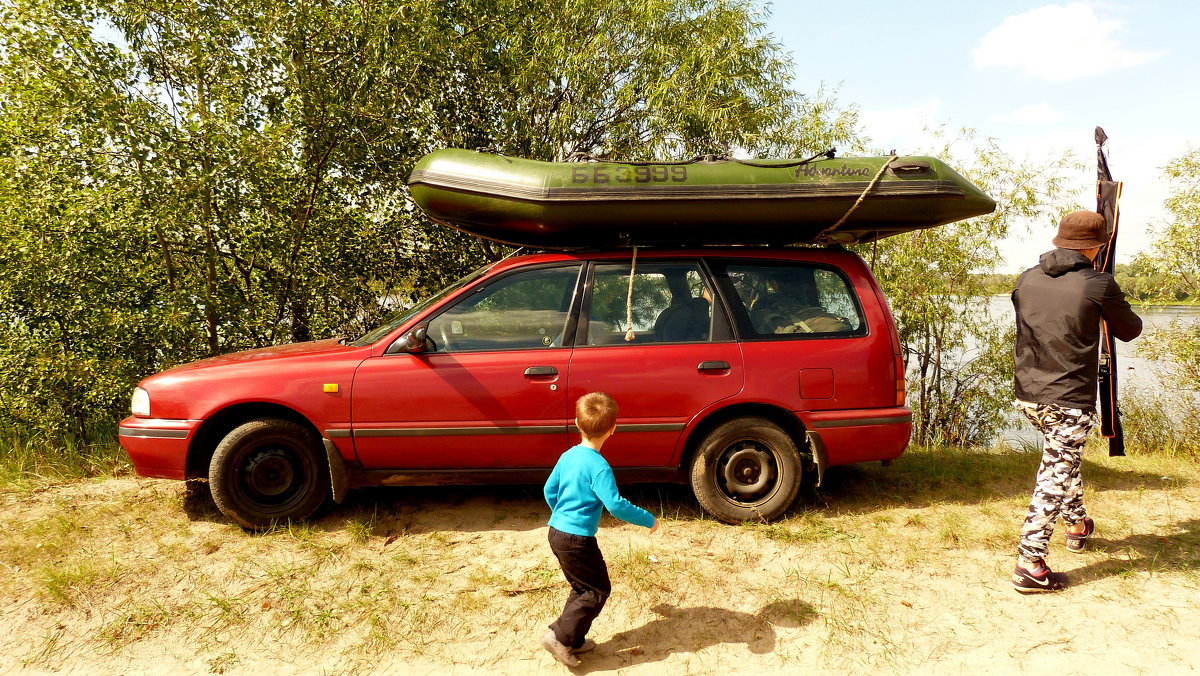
pixel 900 380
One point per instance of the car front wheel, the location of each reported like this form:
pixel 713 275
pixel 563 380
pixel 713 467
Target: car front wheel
pixel 268 471
pixel 747 469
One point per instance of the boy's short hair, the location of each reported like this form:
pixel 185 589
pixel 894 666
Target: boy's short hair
pixel 595 414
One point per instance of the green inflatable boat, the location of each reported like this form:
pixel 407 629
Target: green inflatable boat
pixel 820 200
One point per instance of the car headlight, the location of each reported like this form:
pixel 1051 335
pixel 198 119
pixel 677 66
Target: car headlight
pixel 140 405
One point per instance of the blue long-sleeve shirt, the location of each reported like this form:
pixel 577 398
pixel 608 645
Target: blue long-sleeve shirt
pixel 580 487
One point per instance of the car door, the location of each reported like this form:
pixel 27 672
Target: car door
pixel 804 337
pixel 659 348
pixel 487 394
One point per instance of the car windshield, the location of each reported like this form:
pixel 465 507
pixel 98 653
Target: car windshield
pixel 401 316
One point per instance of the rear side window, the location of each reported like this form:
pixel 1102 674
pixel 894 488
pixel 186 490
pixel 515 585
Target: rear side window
pixel 792 300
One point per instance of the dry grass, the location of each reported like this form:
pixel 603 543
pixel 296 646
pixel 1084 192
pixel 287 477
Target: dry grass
pixel 27 463
pixel 899 569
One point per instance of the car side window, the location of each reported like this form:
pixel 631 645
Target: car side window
pixel 794 300
pixel 524 310
pixel 670 302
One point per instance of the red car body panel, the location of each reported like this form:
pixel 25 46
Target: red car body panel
pixel 290 376
pixel 659 393
pixel 460 411
pixel 471 411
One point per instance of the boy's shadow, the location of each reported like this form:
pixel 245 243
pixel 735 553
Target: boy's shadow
pixel 686 630
pixel 1144 553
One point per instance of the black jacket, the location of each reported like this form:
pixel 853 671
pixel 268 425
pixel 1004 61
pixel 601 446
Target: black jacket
pixel 1059 304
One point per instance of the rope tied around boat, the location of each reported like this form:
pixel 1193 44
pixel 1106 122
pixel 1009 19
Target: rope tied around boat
pixel 823 236
pixel 708 159
pixel 629 335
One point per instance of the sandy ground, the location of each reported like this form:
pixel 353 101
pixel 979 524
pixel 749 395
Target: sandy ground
pixel 461 581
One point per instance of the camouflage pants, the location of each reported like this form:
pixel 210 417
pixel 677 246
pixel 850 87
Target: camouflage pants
pixel 1059 488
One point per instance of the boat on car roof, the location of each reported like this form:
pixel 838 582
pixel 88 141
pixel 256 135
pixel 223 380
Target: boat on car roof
pixel 706 200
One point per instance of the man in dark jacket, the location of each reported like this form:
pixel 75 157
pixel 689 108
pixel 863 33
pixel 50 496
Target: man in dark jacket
pixel 1060 303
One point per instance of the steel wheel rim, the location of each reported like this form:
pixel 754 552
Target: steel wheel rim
pixel 273 477
pixel 747 473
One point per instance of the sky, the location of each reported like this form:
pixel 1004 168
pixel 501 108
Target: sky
pixel 1038 77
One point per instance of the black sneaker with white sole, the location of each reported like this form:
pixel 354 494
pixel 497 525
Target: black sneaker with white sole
pixel 1077 542
pixel 1039 579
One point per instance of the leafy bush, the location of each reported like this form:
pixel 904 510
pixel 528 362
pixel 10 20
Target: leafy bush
pixel 178 184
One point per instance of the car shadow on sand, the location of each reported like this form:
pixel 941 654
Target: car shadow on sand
pixel 390 510
pixel 692 629
pixel 914 480
pixel 425 509
pixel 1140 553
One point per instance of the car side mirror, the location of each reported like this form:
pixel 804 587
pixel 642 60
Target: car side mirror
pixel 412 342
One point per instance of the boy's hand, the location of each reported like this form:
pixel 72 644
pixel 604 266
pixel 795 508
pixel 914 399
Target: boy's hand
pixel 654 527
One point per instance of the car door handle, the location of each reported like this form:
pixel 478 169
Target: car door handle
pixel 541 371
pixel 713 366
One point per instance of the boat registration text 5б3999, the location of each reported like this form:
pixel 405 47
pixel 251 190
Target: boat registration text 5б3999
pixel 629 174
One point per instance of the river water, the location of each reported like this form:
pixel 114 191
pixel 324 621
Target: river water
pixel 1134 371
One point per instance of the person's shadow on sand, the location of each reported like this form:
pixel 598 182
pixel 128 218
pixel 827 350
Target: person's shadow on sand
pixel 686 630
pixel 1142 553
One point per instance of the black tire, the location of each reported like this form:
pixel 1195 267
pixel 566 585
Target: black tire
pixel 268 471
pixel 747 469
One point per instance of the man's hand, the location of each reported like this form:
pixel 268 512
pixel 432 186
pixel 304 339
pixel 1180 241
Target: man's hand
pixel 654 527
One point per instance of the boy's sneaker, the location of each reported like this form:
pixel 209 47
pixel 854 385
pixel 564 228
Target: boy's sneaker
pixel 1077 542
pixel 561 652
pixel 1038 579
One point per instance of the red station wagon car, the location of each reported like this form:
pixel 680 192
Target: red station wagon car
pixel 736 370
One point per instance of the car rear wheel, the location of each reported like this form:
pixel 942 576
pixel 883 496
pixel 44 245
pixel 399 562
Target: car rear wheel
pixel 747 469
pixel 267 471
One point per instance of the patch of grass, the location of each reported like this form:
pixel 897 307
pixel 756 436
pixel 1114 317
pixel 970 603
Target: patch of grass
pixel 954 527
pixel 379 638
pixel 65 584
pixel 805 527
pixel 630 561
pixel 648 577
pixel 362 525
pixel 223 662
pixel 230 610
pixel 1162 423
pixel 136 623
pixel 27 463
pixel 539 576
pixel 30 544
pixel 480 576
pixel 853 618
pixel 127 572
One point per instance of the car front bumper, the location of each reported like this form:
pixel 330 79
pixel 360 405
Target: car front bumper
pixel 156 446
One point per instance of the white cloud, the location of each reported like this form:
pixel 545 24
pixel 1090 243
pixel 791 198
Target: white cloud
pixel 1058 43
pixel 1036 113
pixel 902 129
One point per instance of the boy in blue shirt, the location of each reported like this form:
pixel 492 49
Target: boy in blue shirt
pixel 579 488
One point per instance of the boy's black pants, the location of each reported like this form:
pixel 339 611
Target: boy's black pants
pixel 585 570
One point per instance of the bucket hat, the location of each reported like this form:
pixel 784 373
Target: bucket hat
pixel 1081 230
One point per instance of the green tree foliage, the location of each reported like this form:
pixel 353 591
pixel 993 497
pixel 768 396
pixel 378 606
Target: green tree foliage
pixel 959 358
pixel 1143 280
pixel 181 179
pixel 1174 262
pixel 996 284
pixel 1176 250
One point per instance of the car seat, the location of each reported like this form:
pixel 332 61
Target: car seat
pixel 687 320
